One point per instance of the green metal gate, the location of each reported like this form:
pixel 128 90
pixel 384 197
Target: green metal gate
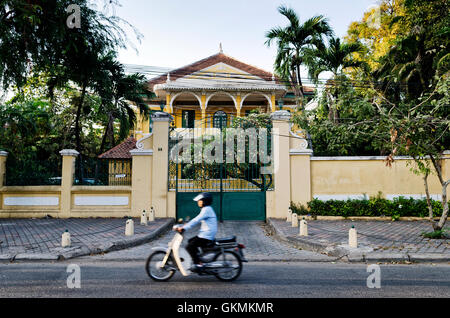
pixel 238 189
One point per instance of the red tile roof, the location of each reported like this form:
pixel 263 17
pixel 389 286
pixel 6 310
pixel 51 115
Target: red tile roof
pixel 212 60
pixel 121 151
pixel 207 62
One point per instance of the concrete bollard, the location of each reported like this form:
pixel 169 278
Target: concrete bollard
pixel 303 228
pixel 289 215
pixel 294 222
pixel 129 227
pixel 352 237
pixel 144 218
pixel 151 215
pixel 65 240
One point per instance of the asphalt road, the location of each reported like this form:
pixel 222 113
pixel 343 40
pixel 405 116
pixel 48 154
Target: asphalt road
pixel 259 280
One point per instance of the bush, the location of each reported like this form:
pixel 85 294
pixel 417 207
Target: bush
pixel 374 206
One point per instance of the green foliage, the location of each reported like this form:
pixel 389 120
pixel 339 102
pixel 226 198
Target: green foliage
pixel 438 234
pixel 374 206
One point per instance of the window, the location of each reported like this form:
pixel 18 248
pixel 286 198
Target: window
pixel 188 119
pixel 220 119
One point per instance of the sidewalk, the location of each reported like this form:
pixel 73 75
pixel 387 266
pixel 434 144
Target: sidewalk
pixel 378 241
pixel 40 239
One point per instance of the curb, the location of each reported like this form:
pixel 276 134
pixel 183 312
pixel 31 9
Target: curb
pixel 61 254
pixel 362 254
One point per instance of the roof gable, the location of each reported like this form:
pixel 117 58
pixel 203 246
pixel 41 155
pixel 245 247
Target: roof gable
pixel 211 63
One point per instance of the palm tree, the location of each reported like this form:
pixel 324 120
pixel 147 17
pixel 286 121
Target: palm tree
pixel 119 92
pixel 334 58
pixel 292 42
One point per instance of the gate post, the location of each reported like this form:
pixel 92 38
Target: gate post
pixel 160 166
pixel 281 164
pixel 68 168
pixel 3 156
pixel 141 181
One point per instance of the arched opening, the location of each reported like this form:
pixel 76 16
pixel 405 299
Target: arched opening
pixel 255 101
pixel 186 109
pixel 220 108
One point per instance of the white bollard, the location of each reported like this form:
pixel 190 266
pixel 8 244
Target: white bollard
pixel 144 218
pixel 65 240
pixel 129 227
pixel 352 237
pixel 294 220
pixel 151 215
pixel 289 215
pixel 303 228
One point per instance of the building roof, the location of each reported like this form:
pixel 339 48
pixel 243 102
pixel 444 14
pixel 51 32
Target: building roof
pixel 121 151
pixel 207 62
pixel 268 81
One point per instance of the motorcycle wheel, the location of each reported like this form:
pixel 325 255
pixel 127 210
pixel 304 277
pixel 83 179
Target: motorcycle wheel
pixel 153 270
pixel 233 266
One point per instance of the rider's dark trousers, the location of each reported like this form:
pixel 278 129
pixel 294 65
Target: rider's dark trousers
pixel 193 245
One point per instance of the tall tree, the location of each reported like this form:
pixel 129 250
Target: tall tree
pixel 120 93
pixel 334 58
pixel 292 41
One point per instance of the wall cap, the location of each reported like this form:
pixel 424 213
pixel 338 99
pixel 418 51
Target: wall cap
pixel 282 115
pixel 69 152
pixel 162 116
pixel 3 153
pixel 294 152
pixel 139 152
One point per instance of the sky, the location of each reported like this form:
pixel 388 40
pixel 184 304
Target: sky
pixel 180 32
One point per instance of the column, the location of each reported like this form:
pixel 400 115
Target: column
pixel 3 157
pixel 160 164
pixel 281 164
pixel 238 104
pixel 68 168
pixel 168 108
pixel 272 99
pixel 203 108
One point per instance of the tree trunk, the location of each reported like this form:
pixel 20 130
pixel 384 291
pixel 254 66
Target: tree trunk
pixel 77 119
pixel 300 87
pixel 440 224
pixel 427 192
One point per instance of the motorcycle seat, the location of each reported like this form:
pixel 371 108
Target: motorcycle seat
pixel 230 239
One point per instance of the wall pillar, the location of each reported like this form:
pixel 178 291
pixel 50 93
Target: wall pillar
pixel 281 164
pixel 141 181
pixel 3 157
pixel 68 168
pixel 160 165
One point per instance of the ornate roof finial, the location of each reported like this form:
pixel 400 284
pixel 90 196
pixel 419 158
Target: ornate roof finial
pixel 220 48
pixel 168 78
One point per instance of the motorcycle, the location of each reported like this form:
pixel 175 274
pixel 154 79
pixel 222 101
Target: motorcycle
pixel 223 259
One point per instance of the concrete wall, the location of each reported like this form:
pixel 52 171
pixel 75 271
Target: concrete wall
pixel 298 177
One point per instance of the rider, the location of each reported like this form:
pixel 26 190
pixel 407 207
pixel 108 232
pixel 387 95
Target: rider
pixel 208 229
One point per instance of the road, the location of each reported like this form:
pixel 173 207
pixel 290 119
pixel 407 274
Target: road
pixel 259 280
pixel 275 270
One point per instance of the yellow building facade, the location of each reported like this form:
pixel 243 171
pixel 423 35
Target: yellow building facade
pixel 217 88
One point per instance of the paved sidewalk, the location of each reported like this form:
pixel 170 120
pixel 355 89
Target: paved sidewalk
pixel 259 245
pixel 40 239
pixel 379 241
